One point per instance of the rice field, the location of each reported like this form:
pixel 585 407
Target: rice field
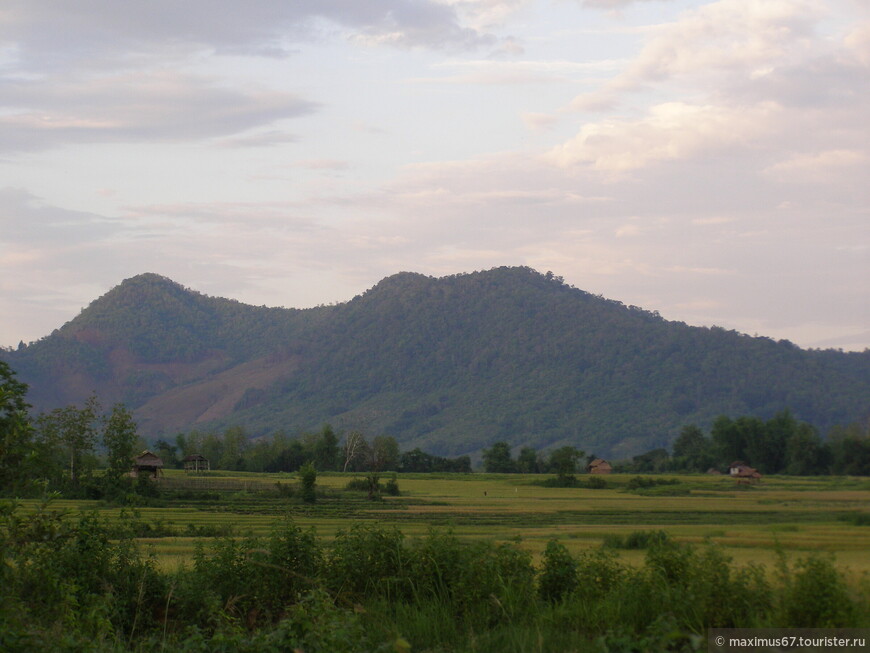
pixel 792 515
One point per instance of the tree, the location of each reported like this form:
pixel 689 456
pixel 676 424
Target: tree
pixel 804 452
pixel 120 436
pixel 356 452
pixel 326 449
pixel 385 453
pixel 74 430
pixel 497 459
pixel 692 449
pixel 308 476
pixel 564 462
pixel 168 452
pixel 16 432
pixel 528 462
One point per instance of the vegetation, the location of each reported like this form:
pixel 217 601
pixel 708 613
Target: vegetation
pixel 448 365
pixel 81 584
pixel 780 445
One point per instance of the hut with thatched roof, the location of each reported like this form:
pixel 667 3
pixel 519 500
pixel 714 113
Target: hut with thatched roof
pixel 599 466
pixel 743 473
pixel 196 463
pixel 147 464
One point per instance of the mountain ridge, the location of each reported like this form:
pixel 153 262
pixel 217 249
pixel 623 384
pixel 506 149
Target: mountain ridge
pixel 450 364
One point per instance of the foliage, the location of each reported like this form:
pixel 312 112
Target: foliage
pixel 76 583
pixel 452 365
pixel 559 573
pixel 637 540
pixel 308 476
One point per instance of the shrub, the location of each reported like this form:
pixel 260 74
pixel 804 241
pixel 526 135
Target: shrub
pixel 814 595
pixel 366 560
pixel 558 576
pixel 596 483
pixel 392 486
pixel 636 540
pixel 308 475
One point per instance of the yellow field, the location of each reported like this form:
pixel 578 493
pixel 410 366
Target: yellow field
pixel 795 515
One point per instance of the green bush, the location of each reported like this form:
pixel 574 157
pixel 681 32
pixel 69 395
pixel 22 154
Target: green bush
pixel 815 595
pixel 636 540
pixel 558 577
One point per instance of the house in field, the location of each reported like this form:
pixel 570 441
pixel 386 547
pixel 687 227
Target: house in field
pixel 599 466
pixel 196 463
pixel 743 473
pixel 147 464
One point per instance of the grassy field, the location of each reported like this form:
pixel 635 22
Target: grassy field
pixel 794 515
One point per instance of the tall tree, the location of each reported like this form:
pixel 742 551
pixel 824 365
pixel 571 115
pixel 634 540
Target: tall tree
pixel 564 462
pixel 385 453
pixel 497 459
pixel 120 436
pixel 692 450
pixel 326 449
pixel 16 432
pixel 74 430
pixel 528 462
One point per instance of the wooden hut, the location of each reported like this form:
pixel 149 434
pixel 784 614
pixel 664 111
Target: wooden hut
pixel 196 463
pixel 743 473
pixel 599 466
pixel 147 464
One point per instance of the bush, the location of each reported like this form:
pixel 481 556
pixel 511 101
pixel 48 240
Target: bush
pixel 815 595
pixel 366 560
pixel 308 475
pixel 392 486
pixel 637 540
pixel 558 577
pixel 596 483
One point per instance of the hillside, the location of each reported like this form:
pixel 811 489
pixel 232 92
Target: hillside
pixel 450 364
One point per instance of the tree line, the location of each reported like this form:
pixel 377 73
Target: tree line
pixel 63 449
pixel 780 445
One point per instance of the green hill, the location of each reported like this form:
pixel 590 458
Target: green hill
pixel 450 365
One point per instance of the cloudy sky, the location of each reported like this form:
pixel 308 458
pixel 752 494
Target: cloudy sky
pixel 709 160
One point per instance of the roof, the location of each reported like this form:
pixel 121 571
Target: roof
pixel 194 457
pixel 148 459
pixel 597 462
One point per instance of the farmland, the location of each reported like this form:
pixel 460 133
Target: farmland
pixel 455 562
pixel 749 523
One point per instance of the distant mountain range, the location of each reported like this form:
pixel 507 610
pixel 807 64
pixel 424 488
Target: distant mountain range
pixel 450 365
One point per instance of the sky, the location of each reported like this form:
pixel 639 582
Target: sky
pixel 707 160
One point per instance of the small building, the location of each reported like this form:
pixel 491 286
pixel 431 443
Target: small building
pixel 599 466
pixel 743 473
pixel 147 464
pixel 196 463
pixel 714 472
pixel 735 467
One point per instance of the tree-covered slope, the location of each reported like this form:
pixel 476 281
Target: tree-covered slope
pixel 449 364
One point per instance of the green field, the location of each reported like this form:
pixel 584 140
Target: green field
pixel 790 514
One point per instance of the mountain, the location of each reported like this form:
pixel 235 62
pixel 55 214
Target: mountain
pixel 449 364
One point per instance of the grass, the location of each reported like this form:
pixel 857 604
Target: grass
pixel 750 524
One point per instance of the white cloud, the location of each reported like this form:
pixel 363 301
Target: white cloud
pixel 670 131
pixel 819 167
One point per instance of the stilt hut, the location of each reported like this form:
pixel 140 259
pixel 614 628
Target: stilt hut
pixel 196 463
pixel 147 464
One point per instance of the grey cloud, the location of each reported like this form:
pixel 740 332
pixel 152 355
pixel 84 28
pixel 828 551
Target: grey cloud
pixel 56 35
pixel 25 221
pixel 133 107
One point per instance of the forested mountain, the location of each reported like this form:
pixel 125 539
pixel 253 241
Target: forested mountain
pixel 450 365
